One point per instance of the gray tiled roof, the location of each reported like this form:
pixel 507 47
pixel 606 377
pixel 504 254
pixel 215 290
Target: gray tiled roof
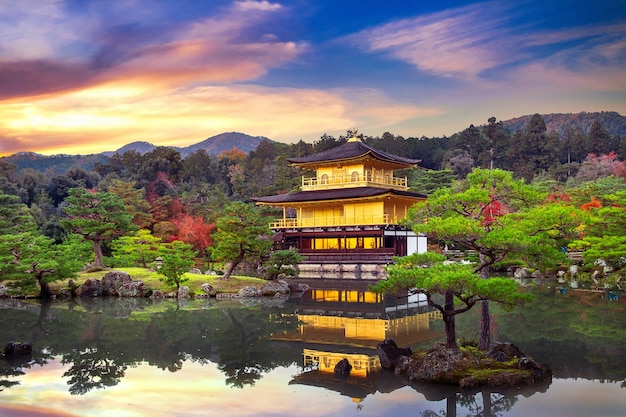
pixel 351 150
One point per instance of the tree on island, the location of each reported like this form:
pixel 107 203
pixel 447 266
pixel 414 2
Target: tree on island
pixel 501 219
pixel 97 217
pixel 241 232
pixel 459 285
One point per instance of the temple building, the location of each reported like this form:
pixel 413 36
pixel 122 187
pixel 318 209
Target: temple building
pixel 345 221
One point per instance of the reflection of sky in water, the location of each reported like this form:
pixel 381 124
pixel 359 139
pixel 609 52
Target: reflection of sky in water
pixel 200 390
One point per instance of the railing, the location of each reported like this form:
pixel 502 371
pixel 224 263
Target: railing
pixel 344 181
pixel 380 256
pixel 336 221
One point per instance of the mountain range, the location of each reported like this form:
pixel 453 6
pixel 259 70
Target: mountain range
pixel 613 122
pixel 213 145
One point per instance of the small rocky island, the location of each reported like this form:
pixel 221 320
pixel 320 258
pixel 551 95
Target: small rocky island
pixel 504 364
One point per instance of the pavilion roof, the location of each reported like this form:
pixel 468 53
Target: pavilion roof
pixel 352 150
pixel 334 194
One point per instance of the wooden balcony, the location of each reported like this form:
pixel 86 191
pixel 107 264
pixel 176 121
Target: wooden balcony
pixel 338 221
pixel 349 181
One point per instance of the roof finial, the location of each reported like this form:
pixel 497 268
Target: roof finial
pixel 353 135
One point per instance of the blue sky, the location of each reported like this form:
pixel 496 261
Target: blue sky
pixel 85 76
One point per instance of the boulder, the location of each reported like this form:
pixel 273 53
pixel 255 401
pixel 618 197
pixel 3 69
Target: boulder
pixel 297 287
pixel 112 281
pixel 195 271
pixel 157 294
pixel 539 370
pixel 503 352
pixel 248 291
pixel 389 353
pixel 183 292
pixel 522 273
pixel 343 367
pixel 134 289
pixel 274 288
pixel 17 349
pixel 91 288
pixel 438 361
pixel 537 275
pixel 209 289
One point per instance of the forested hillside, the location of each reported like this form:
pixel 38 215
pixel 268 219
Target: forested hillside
pixel 171 198
pixel 562 122
pixel 244 166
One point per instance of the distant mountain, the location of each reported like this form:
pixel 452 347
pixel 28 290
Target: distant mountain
pixel 55 163
pixel 61 163
pixel 141 147
pixel 559 122
pixel 225 142
pixel 213 145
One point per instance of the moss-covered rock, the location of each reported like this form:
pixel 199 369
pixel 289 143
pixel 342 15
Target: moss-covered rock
pixel 467 367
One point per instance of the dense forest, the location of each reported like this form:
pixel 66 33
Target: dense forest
pixel 171 196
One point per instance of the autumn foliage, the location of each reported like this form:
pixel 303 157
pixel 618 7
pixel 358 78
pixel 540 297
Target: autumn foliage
pixel 195 231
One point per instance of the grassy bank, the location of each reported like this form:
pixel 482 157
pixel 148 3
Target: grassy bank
pixel 151 280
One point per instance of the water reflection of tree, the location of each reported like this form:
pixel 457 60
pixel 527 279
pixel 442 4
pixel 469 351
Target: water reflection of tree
pixel 14 324
pixel 248 354
pixel 484 402
pixel 581 333
pixel 91 368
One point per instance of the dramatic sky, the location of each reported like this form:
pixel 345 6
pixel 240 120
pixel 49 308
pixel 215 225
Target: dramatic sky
pixel 85 76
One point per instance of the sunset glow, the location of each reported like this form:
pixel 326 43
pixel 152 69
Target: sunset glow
pixel 92 76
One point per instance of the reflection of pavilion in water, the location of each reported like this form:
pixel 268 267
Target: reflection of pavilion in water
pixel 347 322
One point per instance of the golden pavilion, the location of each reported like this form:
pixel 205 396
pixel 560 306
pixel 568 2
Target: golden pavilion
pixel 345 220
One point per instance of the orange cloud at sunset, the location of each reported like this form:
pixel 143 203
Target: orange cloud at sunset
pixel 92 76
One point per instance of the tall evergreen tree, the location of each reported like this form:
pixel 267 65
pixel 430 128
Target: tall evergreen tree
pixel 97 217
pixel 498 217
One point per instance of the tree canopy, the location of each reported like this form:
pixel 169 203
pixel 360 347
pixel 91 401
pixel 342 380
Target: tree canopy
pixel 459 285
pixel 241 232
pixel 499 217
pixel 97 217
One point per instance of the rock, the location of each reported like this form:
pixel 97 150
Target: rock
pixel 389 353
pixel 540 371
pixel 132 289
pixel 112 281
pixel 273 288
pixel 248 291
pixel 469 382
pixel 403 365
pixel 522 273
pixel 157 294
pixel 503 352
pixel 18 349
pixel 438 361
pixel 209 289
pixel 343 367
pixel 18 354
pixel 3 291
pixel 195 271
pixel 91 288
pixel 297 287
pixel 183 292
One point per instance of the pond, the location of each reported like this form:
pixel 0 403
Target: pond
pixel 136 357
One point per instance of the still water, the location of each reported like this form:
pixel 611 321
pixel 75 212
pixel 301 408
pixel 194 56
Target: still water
pixel 128 357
